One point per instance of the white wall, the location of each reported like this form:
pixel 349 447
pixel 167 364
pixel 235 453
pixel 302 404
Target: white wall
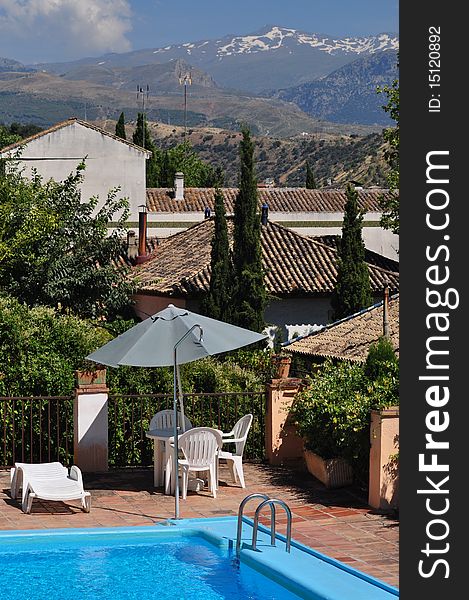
pixel 109 162
pixel 377 239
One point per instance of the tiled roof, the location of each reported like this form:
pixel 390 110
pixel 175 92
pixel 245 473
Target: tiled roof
pixel 350 338
pixel 371 257
pixel 295 265
pixel 66 123
pixel 278 199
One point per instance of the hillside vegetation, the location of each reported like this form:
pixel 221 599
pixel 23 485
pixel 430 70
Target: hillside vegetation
pixel 337 157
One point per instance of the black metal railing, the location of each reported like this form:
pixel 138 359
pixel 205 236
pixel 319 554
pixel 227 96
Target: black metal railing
pixel 130 415
pixel 36 429
pixel 40 428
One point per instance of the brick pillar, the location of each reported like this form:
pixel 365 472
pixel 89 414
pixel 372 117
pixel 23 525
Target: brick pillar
pixel 90 426
pixel 283 445
pixel 383 490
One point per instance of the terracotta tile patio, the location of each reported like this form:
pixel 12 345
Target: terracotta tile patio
pixel 335 522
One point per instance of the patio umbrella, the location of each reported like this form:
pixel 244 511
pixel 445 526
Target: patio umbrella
pixel 172 337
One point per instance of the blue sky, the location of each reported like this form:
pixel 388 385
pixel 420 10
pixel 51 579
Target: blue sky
pixel 57 30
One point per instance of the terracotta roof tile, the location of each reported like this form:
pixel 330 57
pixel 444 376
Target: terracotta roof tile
pixel 350 338
pixel 278 199
pixel 295 265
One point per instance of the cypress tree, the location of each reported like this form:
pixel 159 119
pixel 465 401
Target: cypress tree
pixel 310 181
pixel 141 137
pixel 217 304
pixel 249 295
pixel 120 127
pixel 353 290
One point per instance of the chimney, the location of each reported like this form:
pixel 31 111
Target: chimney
pixel 131 245
pixel 142 234
pixel 264 213
pixel 386 312
pixel 179 186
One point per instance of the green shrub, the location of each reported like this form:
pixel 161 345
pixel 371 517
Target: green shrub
pixel 41 349
pixel 333 412
pixel 379 356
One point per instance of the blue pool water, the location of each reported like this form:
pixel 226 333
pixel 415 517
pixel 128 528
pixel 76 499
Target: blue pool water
pixel 179 568
pixel 189 559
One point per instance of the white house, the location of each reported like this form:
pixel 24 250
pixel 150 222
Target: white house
pixel 316 212
pixel 110 161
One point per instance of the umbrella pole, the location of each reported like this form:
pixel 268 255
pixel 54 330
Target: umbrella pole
pixel 175 418
pixel 176 448
pixel 181 399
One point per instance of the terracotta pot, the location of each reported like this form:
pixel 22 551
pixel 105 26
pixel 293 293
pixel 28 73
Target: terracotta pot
pixel 283 365
pixel 332 472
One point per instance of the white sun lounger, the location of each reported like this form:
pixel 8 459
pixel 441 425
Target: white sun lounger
pixel 48 481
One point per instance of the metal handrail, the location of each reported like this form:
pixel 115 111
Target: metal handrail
pixel 240 519
pixel 272 502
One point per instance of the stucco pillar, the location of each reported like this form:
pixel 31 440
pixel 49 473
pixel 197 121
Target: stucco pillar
pixel 90 427
pixel 383 490
pixel 283 445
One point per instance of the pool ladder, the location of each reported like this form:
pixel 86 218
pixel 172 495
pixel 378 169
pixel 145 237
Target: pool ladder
pixel 272 502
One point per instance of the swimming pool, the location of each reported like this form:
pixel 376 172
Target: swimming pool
pixel 191 559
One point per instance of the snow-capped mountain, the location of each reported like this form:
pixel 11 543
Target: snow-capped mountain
pixel 272 58
pixel 275 37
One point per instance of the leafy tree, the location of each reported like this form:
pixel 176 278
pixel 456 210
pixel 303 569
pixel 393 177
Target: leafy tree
pixel 390 218
pixel 218 301
pixel 7 138
pixel 164 164
pixel 352 291
pixel 24 130
pixel 10 134
pixel 184 158
pixel 249 295
pixel 310 181
pixel 56 250
pixel 120 127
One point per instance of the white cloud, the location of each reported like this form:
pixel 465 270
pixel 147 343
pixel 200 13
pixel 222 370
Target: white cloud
pixel 63 28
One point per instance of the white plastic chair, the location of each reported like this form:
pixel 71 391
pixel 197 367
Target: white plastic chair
pixel 200 447
pixel 238 436
pixel 48 481
pixel 164 419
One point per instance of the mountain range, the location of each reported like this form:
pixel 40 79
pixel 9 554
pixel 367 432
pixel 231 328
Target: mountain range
pixel 348 95
pixel 279 81
pixel 272 58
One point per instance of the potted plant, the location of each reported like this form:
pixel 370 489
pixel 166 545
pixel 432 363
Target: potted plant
pixel 90 376
pixel 282 363
pixel 329 419
pixel 333 413
pixel 281 360
pixel 332 472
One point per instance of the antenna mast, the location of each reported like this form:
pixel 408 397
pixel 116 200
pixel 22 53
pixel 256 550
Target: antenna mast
pixel 185 81
pixel 143 95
